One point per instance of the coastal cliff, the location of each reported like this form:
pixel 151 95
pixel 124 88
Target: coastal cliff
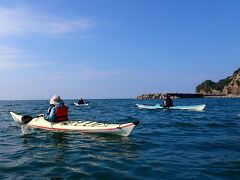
pixel 229 87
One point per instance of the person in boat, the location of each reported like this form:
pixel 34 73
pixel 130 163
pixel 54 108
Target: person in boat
pixel 57 111
pixel 167 101
pixel 81 101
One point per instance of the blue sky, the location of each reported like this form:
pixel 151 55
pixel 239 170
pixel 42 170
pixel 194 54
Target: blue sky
pixel 115 49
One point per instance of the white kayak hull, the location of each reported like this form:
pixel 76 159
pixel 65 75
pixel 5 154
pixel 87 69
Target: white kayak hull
pixel 158 106
pixel 79 126
pixel 80 105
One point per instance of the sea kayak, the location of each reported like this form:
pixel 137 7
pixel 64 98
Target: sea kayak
pixel 76 104
pixel 79 126
pixel 158 106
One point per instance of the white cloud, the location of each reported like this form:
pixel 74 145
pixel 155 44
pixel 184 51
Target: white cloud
pixel 19 21
pixel 12 58
pixel 92 73
pixel 84 72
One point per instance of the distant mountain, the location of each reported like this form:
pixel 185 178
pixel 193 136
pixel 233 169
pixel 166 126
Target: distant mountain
pixel 224 87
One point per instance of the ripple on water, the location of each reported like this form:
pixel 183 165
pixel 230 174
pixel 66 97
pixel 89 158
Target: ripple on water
pixel 165 145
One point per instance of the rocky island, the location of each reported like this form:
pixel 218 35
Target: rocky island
pixel 228 87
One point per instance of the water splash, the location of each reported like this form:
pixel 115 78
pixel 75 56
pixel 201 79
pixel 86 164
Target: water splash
pixel 25 129
pixel 238 115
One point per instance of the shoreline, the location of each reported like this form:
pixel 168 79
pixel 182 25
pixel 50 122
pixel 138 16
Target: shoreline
pixel 183 95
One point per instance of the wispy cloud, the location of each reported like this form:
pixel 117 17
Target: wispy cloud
pixel 12 58
pixel 20 21
pixel 92 73
pixel 84 72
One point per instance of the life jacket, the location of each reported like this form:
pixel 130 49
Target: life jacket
pixel 168 103
pixel 61 113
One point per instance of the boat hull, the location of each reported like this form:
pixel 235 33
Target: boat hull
pixel 80 105
pixel 158 106
pixel 79 126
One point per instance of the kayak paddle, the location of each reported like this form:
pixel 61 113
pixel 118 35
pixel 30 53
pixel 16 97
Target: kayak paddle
pixel 26 119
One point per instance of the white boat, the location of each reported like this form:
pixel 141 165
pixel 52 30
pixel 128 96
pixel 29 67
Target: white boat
pixel 80 105
pixel 79 125
pixel 158 106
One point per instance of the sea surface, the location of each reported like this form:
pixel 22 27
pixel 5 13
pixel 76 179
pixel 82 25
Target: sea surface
pixel 167 144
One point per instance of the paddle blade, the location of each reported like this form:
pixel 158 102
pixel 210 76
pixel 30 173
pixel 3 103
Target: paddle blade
pixel 26 119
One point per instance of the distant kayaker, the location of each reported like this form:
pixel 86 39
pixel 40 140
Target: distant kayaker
pixel 57 111
pixel 167 101
pixel 81 101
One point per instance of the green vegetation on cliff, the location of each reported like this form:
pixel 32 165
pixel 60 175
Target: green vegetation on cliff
pixel 229 85
pixel 206 86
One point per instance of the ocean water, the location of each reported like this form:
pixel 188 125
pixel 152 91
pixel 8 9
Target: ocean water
pixel 173 144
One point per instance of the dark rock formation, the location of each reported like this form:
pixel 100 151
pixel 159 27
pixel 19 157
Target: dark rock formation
pixel 151 96
pixel 172 95
pixel 229 86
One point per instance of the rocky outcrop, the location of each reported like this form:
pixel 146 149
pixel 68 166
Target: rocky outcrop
pixel 229 86
pixel 151 96
pixel 172 95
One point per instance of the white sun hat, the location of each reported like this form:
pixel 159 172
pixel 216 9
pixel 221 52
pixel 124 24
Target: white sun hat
pixel 56 99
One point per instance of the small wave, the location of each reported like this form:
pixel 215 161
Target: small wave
pixel 185 124
pixel 215 125
pixel 221 125
pixel 127 119
pixel 26 130
pixel 238 115
pixel 9 105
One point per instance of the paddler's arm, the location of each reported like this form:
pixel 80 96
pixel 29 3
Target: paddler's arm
pixel 51 116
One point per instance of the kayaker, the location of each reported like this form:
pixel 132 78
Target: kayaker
pixel 167 101
pixel 57 111
pixel 81 101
